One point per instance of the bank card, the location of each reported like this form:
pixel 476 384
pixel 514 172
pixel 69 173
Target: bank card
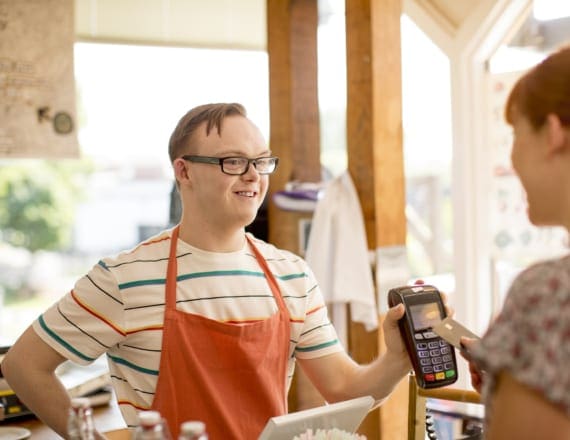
pixel 452 331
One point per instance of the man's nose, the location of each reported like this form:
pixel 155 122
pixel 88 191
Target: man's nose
pixel 251 171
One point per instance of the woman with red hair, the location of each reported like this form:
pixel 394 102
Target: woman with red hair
pixel 525 355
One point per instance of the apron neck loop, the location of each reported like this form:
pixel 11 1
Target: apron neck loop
pixel 172 271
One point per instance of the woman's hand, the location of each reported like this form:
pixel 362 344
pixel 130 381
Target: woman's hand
pixel 476 374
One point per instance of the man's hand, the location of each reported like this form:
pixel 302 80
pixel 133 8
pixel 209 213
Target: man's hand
pixel 394 343
pixel 476 374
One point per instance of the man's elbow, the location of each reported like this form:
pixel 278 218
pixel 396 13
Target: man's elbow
pixel 11 366
pixel 29 358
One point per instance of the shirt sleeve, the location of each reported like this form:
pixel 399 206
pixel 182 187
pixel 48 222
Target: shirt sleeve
pixel 530 338
pixel 88 320
pixel 318 336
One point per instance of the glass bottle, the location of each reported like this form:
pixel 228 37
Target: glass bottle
pixel 80 425
pixel 193 430
pixel 151 427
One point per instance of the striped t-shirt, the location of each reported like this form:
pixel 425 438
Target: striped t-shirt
pixel 118 309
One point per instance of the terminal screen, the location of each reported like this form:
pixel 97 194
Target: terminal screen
pixel 425 315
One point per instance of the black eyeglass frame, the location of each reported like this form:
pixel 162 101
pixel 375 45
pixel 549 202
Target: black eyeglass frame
pixel 220 161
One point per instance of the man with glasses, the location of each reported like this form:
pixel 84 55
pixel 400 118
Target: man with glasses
pixel 202 321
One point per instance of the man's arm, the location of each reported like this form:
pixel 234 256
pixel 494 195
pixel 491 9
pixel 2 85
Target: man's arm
pixel 521 413
pixel 29 368
pixel 338 377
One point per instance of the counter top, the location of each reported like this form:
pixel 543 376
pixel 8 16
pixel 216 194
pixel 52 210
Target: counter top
pixel 107 418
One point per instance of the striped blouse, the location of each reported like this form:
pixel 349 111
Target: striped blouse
pixel 118 309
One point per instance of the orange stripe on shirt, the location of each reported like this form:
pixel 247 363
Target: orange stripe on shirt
pixel 302 320
pixel 311 311
pixel 144 329
pixel 243 321
pixel 97 315
pixel 128 402
pixel 158 240
pixel 147 243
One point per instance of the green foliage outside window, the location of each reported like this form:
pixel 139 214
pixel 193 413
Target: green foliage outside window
pixel 37 202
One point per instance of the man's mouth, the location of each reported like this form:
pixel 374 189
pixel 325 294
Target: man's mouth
pixel 246 193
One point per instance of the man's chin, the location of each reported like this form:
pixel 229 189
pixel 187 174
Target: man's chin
pixel 247 220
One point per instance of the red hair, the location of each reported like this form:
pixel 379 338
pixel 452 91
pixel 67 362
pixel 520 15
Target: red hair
pixel 543 90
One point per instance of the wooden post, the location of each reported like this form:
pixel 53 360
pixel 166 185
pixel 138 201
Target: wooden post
pixel 374 130
pixel 294 121
pixel 375 163
pixel 294 124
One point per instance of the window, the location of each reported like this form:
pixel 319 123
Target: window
pixel 426 102
pixel 515 242
pixel 427 133
pixel 129 99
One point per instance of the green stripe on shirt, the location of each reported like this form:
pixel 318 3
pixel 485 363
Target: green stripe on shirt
pixel 217 273
pixel 317 347
pixel 214 273
pixel 291 276
pixel 62 342
pixel 122 361
pixel 141 283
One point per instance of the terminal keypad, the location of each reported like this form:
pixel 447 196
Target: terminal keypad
pixel 435 357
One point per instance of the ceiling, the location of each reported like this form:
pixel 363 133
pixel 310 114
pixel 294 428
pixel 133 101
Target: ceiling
pixel 212 23
pixel 196 23
pixel 242 23
pixel 534 35
pixel 542 36
pixel 455 12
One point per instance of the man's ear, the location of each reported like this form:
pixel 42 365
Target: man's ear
pixel 180 170
pixel 557 134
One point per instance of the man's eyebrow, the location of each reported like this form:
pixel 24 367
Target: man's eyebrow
pixel 234 153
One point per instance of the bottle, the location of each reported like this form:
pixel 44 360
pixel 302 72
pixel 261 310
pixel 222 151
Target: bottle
pixel 193 430
pixel 80 425
pixel 151 427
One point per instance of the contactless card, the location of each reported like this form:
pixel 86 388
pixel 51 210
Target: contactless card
pixel 452 331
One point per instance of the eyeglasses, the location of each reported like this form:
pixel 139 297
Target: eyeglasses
pixel 238 166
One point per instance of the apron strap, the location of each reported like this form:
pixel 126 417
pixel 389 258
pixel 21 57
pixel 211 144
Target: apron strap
pixel 172 271
pixel 269 277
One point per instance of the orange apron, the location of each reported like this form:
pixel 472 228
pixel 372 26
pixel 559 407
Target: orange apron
pixel 230 376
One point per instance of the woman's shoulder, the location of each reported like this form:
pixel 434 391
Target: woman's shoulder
pixel 559 267
pixel 549 279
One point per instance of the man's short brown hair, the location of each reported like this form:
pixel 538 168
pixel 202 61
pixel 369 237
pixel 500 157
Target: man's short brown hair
pixel 212 114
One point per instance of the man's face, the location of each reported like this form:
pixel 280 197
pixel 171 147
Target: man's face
pixel 222 200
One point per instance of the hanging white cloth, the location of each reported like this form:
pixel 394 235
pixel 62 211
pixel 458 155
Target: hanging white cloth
pixel 337 252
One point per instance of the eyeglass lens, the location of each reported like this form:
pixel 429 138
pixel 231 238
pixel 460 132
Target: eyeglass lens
pixel 239 165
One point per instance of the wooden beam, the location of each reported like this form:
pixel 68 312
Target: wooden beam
pixel 294 113
pixel 375 162
pixel 374 117
pixel 294 125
